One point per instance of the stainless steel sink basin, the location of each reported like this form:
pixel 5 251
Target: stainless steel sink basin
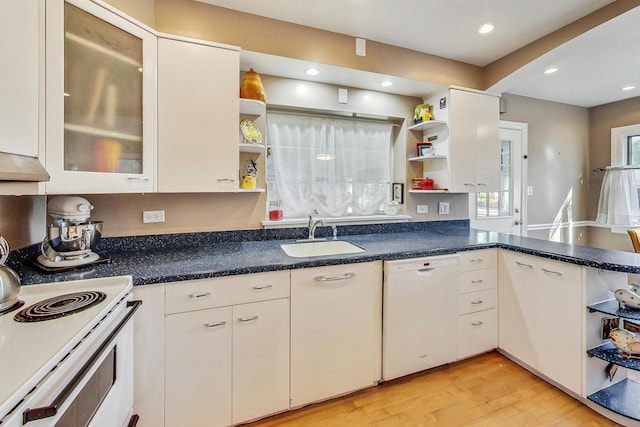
pixel 320 248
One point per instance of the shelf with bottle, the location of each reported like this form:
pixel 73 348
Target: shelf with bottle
pixel 252 107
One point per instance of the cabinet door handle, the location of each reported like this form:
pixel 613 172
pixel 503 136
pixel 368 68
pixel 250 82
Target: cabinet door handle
pixel 477 302
pixel 215 325
pixel 137 178
pixel 226 180
pixel 482 184
pixel 198 296
pixel 261 287
pixel 476 260
pixel 555 273
pixel 248 319
pixel 478 323
pixel 344 276
pixel 477 282
pixel 522 264
pixel 468 184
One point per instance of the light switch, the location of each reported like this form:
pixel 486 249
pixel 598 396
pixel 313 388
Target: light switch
pixel 443 208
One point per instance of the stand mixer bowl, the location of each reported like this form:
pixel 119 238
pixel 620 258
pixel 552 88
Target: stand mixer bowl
pixel 66 237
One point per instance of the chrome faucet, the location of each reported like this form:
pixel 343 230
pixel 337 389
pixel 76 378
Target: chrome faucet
pixel 313 225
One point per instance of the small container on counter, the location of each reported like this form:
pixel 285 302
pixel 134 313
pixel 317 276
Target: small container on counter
pixel 275 211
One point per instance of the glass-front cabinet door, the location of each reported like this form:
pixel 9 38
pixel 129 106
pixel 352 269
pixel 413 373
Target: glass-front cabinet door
pixel 101 100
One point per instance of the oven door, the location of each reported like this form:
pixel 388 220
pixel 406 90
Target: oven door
pixel 100 392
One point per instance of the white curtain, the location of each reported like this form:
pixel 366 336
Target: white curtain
pixel 618 204
pixel 336 167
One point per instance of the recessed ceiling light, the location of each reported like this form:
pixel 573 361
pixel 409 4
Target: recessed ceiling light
pixel 550 70
pixel 486 28
pixel 386 83
pixel 628 88
pixel 312 72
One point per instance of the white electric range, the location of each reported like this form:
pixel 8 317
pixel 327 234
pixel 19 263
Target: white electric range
pixel 75 369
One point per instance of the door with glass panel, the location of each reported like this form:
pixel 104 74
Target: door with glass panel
pixel 503 210
pixel 100 100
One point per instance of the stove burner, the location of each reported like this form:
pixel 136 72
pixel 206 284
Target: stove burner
pixel 9 309
pixel 60 306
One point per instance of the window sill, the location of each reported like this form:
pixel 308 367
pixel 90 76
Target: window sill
pixel 347 220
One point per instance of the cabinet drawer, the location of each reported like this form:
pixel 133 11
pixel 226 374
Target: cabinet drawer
pixel 477 333
pixel 478 280
pixel 476 301
pixel 478 260
pixel 223 291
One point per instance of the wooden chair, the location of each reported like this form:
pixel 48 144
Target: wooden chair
pixel 635 238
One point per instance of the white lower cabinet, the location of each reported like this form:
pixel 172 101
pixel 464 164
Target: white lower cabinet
pixel 148 350
pixel 229 364
pixel 336 320
pixel 198 368
pixel 477 305
pixel 541 316
pixel 260 359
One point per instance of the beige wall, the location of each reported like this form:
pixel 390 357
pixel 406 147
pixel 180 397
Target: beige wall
pixel 558 157
pixel 254 33
pixel 603 118
pixel 22 220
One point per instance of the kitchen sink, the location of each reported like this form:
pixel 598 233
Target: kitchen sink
pixel 320 248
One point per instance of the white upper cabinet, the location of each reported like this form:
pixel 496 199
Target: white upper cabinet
pixel 471 137
pixel 20 67
pixel 197 116
pixel 101 100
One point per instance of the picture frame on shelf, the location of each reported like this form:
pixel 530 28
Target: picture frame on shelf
pixel 397 192
pixel 424 149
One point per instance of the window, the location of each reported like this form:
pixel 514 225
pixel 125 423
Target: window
pixel 618 203
pixel 332 167
pixel 633 150
pixel 498 203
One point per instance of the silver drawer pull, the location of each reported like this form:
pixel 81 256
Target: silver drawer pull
pixel 555 273
pixel 522 264
pixel 198 296
pixel 215 325
pixel 261 287
pixel 137 178
pixel 226 180
pixel 477 282
pixel 344 276
pixel 469 184
pixel 476 260
pixel 248 319
pixel 477 302
pixel 477 323
pixel 482 184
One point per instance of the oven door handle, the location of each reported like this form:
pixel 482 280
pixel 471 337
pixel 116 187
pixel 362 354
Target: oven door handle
pixel 34 414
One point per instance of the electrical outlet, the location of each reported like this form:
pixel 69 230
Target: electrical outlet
pixel 152 216
pixel 423 209
pixel 443 208
pixel 530 190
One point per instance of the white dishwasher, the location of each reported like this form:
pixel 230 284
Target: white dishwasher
pixel 419 324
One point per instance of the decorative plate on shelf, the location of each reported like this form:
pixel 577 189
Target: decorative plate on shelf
pixel 250 132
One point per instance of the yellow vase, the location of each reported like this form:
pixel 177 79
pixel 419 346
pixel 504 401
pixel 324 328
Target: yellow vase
pixel 251 87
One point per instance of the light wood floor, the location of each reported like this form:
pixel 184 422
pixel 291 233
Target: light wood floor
pixel 487 390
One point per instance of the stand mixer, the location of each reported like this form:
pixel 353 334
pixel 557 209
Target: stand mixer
pixel 72 236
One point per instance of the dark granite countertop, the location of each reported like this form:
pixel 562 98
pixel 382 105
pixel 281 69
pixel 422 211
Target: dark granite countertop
pixel 177 257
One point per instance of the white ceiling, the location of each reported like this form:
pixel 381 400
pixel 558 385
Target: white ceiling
pixel 593 67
